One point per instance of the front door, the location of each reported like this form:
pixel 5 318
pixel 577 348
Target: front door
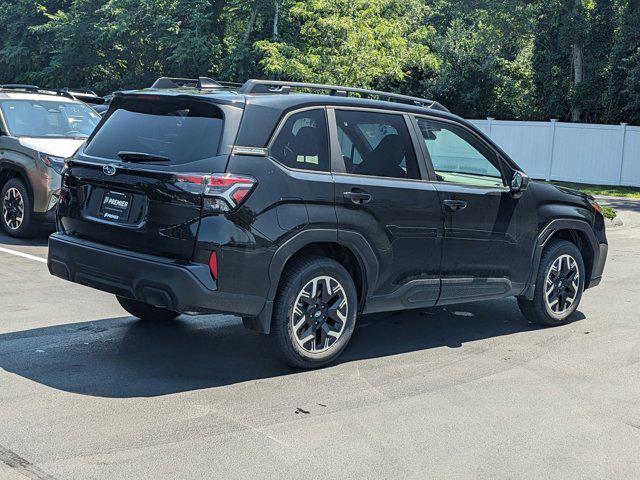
pixel 380 195
pixel 489 232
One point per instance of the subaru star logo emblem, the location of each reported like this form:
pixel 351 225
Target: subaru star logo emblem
pixel 109 169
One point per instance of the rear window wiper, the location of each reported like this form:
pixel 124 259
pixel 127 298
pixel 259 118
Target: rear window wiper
pixel 139 157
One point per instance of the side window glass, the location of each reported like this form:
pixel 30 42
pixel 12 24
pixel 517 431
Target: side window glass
pixel 376 144
pixel 351 155
pixel 302 142
pixel 458 157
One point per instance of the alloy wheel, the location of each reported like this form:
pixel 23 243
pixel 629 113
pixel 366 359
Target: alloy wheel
pixel 13 208
pixel 319 314
pixel 561 286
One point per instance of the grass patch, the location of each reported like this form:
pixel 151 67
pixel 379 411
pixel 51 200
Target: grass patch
pixel 609 190
pixel 609 213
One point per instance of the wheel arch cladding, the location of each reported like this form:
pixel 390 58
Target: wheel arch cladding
pixel 354 253
pixel 579 239
pixel 9 172
pixel 341 254
pixel 578 232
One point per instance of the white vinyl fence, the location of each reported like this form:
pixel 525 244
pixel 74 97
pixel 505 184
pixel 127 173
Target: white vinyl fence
pixel 572 152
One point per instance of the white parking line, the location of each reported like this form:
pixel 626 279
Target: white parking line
pixel 25 255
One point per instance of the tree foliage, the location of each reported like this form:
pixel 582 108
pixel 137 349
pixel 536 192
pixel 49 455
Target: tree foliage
pixel 522 59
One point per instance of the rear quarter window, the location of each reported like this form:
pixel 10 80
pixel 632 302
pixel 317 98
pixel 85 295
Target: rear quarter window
pixel 182 130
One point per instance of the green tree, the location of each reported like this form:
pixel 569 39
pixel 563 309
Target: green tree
pixel 23 50
pixel 623 95
pixel 522 59
pixel 600 37
pixel 352 42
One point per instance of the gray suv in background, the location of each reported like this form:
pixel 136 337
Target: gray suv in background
pixel 39 128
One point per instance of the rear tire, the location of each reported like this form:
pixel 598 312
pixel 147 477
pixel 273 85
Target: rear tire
pixel 314 313
pixel 144 311
pixel 558 292
pixel 15 209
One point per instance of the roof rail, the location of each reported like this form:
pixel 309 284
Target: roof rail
pixel 201 83
pixel 35 89
pixel 284 88
pixel 84 91
pixel 19 86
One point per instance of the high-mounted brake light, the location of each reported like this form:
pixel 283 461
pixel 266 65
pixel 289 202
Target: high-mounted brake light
pixel 222 191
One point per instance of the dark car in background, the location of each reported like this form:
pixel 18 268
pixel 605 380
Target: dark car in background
pixel 299 211
pixel 91 98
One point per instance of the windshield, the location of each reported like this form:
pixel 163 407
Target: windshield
pixel 48 118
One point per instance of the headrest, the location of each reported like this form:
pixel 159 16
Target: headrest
pixel 306 142
pixel 390 150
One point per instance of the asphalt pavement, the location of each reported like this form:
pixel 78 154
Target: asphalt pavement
pixel 463 392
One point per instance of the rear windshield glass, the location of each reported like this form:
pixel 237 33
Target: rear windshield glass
pixel 49 118
pixel 181 130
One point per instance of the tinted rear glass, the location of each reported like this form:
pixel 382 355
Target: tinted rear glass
pixel 182 130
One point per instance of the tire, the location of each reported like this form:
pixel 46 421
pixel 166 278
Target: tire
pixel 15 209
pixel 144 311
pixel 558 309
pixel 335 309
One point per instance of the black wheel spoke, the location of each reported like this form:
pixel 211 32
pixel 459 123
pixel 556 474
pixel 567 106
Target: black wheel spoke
pixel 326 293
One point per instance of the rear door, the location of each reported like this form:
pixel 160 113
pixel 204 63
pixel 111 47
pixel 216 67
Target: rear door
pixel 382 194
pixel 136 184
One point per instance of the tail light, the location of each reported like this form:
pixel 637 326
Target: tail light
pixel 223 192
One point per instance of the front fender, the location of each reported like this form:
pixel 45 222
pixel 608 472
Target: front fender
pixel 547 233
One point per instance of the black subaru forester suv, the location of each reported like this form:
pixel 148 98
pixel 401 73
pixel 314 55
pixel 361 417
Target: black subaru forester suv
pixel 299 211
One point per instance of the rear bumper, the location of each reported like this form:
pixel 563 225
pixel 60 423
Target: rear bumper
pixel 186 288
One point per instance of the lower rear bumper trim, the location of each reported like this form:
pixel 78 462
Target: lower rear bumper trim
pixel 186 288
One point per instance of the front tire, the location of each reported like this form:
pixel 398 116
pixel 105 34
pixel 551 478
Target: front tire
pixel 314 313
pixel 146 312
pixel 15 210
pixel 559 285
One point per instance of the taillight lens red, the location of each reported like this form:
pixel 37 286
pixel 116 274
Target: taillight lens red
pixel 213 265
pixel 224 191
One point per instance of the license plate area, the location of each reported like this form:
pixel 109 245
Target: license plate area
pixel 115 206
pixel 112 206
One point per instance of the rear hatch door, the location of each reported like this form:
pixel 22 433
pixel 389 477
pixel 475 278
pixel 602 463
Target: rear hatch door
pixel 130 185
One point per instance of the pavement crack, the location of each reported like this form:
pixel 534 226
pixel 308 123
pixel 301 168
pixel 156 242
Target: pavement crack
pixel 22 465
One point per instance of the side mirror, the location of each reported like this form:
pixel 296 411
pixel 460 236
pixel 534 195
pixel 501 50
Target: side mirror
pixel 519 182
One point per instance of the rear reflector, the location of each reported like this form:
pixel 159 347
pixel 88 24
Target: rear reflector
pixel 213 265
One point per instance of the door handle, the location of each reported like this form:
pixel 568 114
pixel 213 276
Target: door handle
pixel 455 205
pixel 357 197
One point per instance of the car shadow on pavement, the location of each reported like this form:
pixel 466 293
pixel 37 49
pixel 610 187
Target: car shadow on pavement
pixel 124 357
pixel 632 204
pixel 40 240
